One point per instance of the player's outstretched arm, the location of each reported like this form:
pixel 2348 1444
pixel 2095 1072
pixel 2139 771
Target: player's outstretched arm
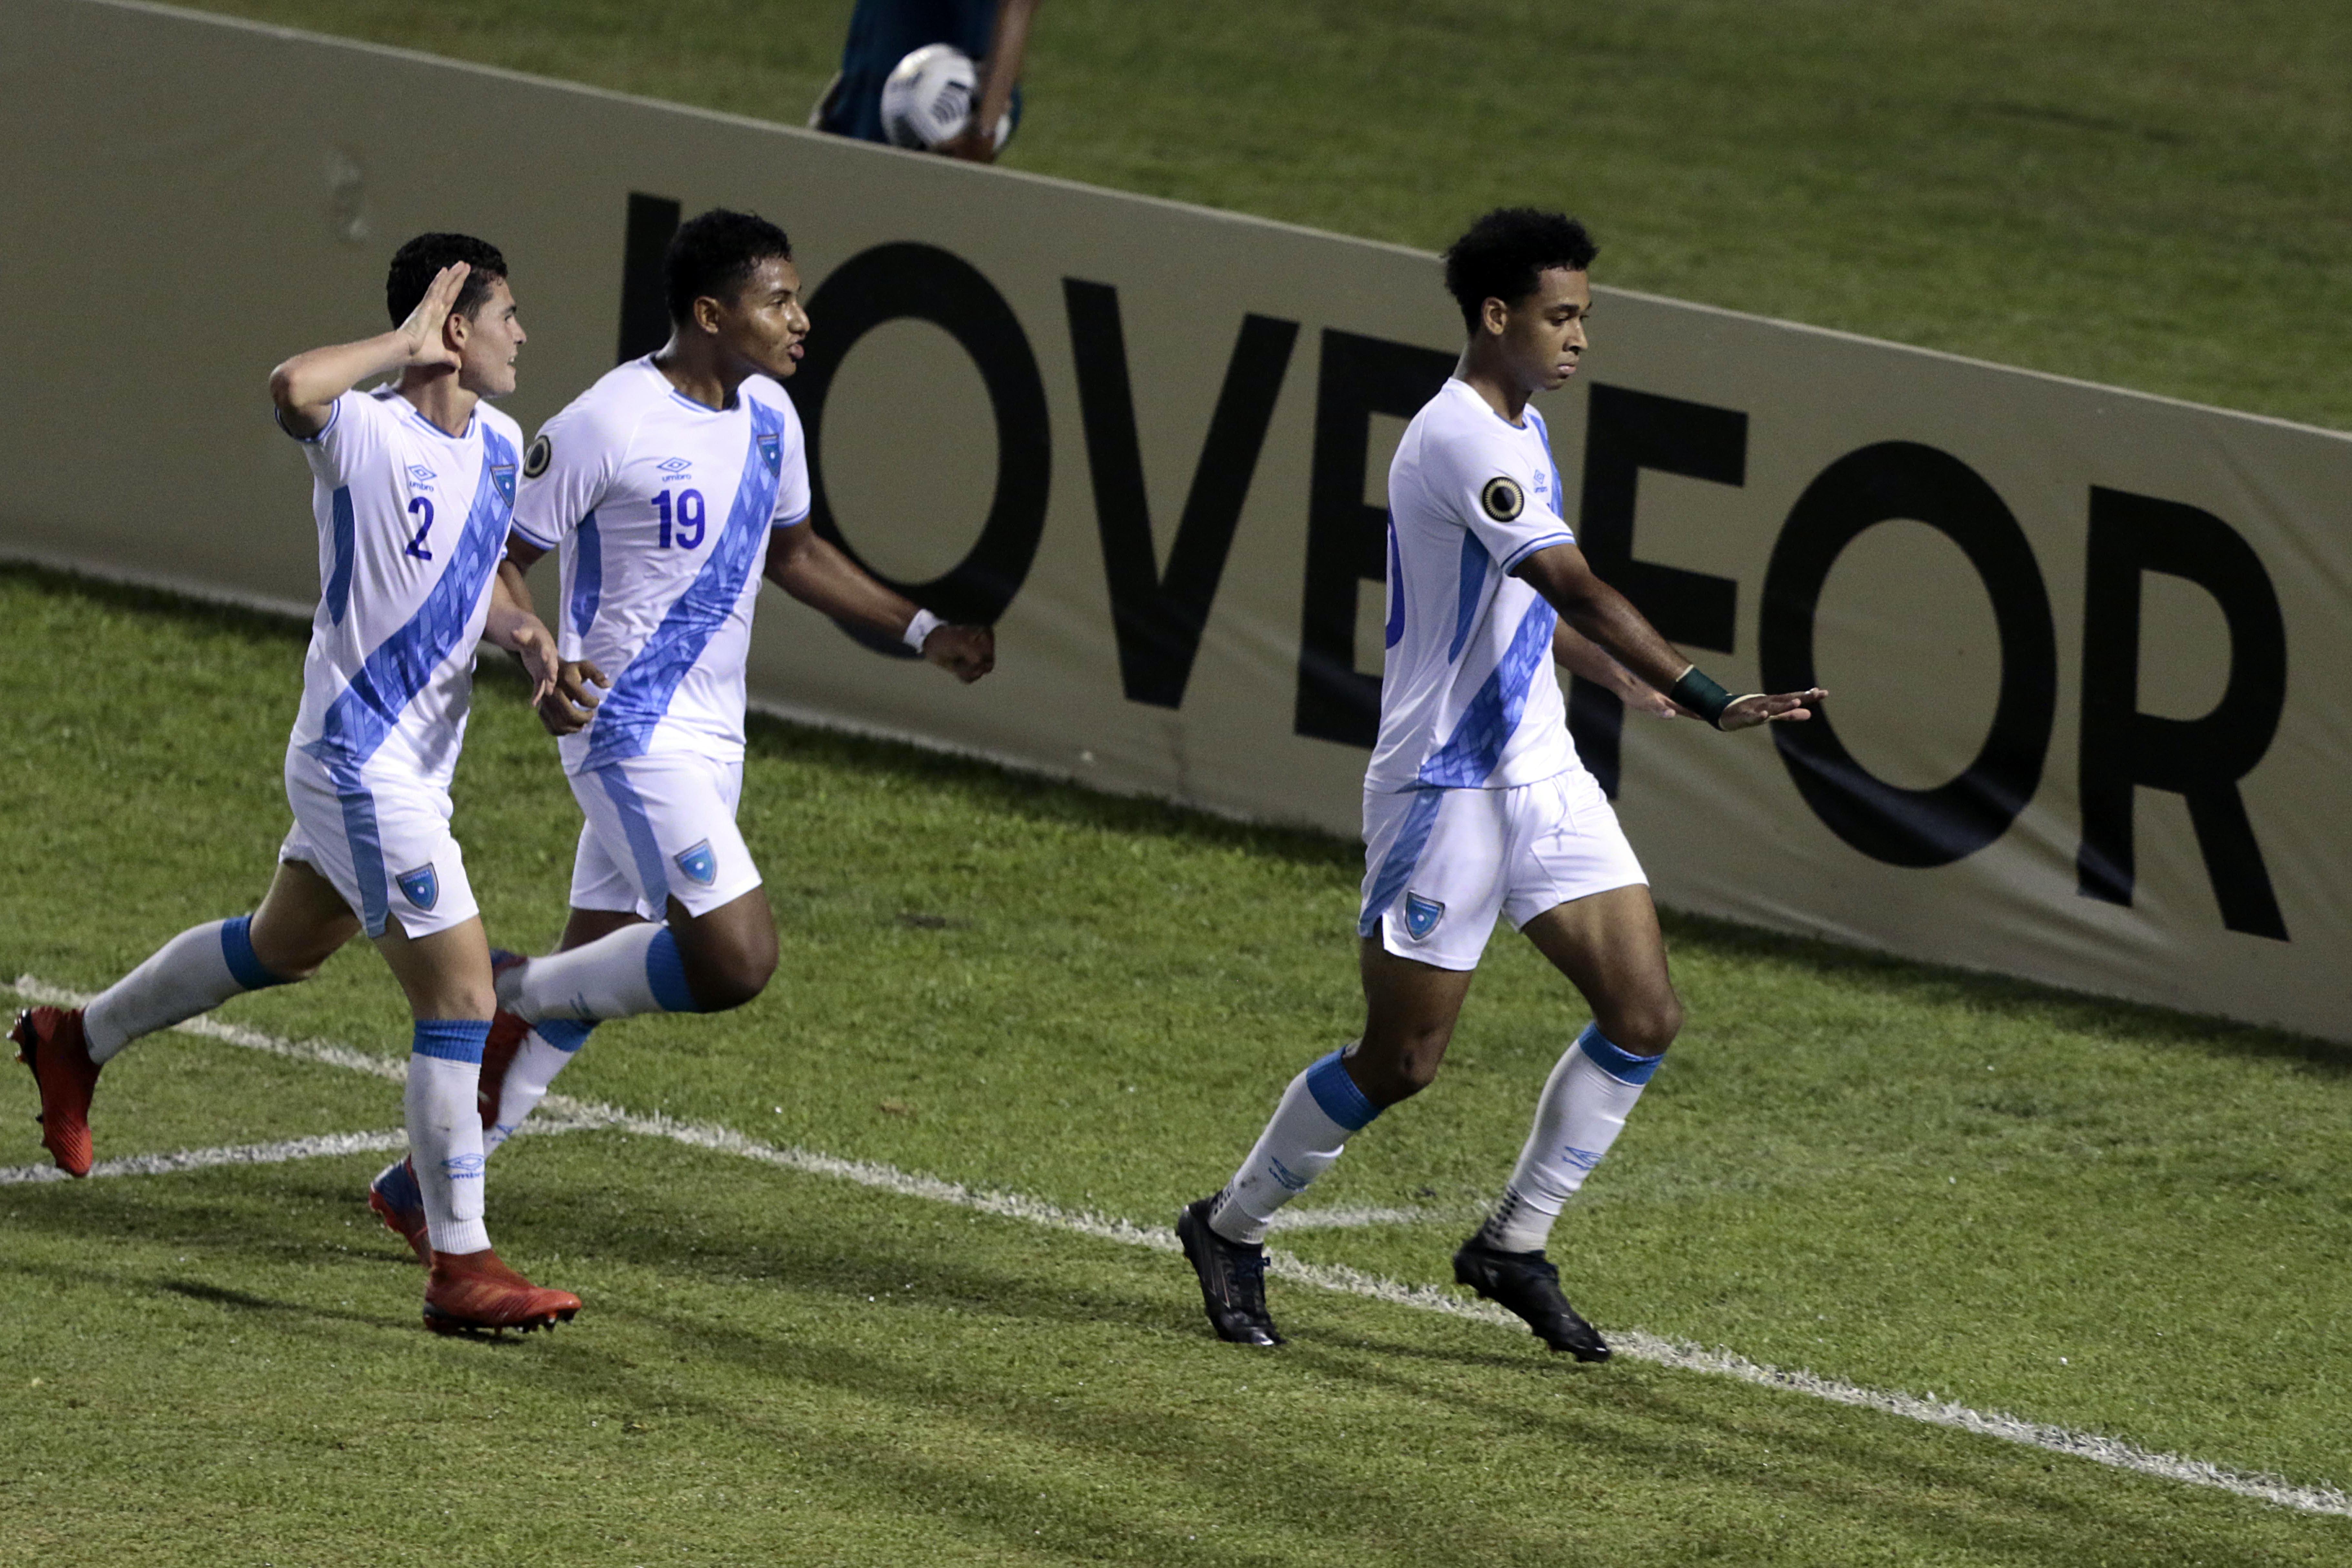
pixel 568 698
pixel 1589 661
pixel 822 577
pixel 305 387
pixel 1563 575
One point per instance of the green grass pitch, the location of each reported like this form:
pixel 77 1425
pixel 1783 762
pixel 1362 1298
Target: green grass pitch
pixel 2100 1218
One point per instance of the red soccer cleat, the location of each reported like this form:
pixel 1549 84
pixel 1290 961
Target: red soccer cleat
pixel 474 1293
pixel 396 1201
pixel 49 1041
pixel 508 1033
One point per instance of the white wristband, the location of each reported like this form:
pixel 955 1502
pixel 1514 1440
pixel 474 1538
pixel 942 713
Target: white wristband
pixel 920 628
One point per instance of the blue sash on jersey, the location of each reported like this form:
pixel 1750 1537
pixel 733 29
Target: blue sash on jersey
pixel 370 707
pixel 624 726
pixel 383 687
pixel 1474 748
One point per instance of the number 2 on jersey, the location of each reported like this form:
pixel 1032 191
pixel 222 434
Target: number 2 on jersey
pixel 687 516
pixel 424 505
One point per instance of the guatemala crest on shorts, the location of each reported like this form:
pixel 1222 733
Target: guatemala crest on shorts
pixel 700 865
pixel 1422 915
pixel 503 475
pixel 771 452
pixel 420 887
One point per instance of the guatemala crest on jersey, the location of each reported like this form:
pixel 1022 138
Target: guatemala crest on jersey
pixel 771 451
pixel 699 864
pixel 503 475
pixel 1422 915
pixel 420 887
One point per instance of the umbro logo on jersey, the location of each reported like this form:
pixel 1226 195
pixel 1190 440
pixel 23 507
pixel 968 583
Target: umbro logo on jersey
pixel 771 452
pixel 699 864
pixel 674 465
pixel 1422 915
pixel 534 462
pixel 420 887
pixel 502 476
pixel 420 476
pixel 1502 498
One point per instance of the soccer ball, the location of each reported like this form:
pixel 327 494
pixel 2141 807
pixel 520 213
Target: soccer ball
pixel 928 98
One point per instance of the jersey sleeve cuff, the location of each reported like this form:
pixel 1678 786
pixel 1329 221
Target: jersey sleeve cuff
pixel 514 527
pixel 334 412
pixel 1532 545
pixel 793 522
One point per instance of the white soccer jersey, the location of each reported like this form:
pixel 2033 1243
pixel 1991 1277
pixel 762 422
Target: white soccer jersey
pixel 412 524
pixel 662 508
pixel 1467 697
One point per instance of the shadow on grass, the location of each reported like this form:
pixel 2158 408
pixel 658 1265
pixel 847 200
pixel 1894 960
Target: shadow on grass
pixel 1999 995
pixel 777 1329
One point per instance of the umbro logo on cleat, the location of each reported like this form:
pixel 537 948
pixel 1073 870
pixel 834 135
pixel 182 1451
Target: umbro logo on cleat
pixel 699 864
pixel 1422 915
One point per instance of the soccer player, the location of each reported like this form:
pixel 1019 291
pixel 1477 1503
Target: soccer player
pixel 1476 805
pixel 671 486
pixel 994 33
pixel 414 486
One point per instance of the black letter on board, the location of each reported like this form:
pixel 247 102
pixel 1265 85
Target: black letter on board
pixel 1905 826
pixel 2200 759
pixel 645 314
pixel 1347 541
pixel 926 283
pixel 1158 621
pixel 1625 432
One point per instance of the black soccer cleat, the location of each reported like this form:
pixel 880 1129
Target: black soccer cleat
pixel 1528 1285
pixel 1232 1276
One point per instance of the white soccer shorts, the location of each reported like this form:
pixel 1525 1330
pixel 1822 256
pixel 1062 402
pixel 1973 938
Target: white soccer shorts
pixel 381 838
pixel 660 826
pixel 1440 864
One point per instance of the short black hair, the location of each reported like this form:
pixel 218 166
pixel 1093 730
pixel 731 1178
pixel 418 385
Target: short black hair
pixel 417 263
pixel 714 255
pixel 1506 254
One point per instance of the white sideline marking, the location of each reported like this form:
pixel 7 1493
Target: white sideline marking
pixel 566 1114
pixel 234 1154
pixel 326 1145
pixel 1354 1216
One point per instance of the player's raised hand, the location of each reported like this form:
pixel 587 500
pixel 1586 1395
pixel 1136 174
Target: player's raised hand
pixel 1758 708
pixel 965 652
pixel 572 702
pixel 422 330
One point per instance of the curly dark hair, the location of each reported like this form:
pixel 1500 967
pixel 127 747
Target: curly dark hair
pixel 714 254
pixel 1506 252
pixel 417 263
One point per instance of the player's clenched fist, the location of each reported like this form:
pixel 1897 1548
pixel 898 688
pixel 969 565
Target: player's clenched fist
pixel 965 652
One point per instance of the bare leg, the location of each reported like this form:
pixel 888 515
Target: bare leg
pixel 1611 949
pixel 301 923
pixel 1409 1011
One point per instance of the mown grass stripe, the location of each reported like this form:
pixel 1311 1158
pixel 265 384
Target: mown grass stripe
pixel 566 1114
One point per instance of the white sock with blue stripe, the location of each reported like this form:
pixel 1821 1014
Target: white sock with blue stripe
pixel 1585 1102
pixel 634 970
pixel 545 1051
pixel 1317 1114
pixel 194 973
pixel 444 1129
